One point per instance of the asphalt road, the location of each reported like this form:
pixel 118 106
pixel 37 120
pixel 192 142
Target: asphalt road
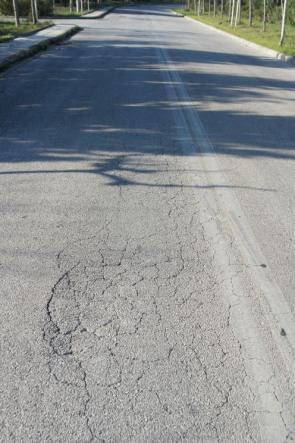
pixel 147 238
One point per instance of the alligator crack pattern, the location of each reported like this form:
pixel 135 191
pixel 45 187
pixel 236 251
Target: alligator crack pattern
pixel 137 332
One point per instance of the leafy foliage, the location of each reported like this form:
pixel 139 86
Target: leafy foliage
pixel 44 7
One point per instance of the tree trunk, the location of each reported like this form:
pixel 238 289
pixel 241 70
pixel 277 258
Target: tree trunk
pixel 36 10
pixel 283 23
pixel 199 7
pixel 238 9
pixel 221 8
pixel 250 13
pixel 234 2
pixel 264 16
pixel 16 14
pixel 195 6
pixel 214 8
pixel 34 20
pixel 229 9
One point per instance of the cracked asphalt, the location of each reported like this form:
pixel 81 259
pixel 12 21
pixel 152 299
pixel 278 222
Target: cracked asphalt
pixel 147 238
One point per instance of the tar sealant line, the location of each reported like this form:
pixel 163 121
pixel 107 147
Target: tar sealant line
pixel 229 222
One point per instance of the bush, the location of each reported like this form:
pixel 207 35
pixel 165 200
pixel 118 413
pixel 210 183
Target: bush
pixel 44 7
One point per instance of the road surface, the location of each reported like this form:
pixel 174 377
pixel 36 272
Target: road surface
pixel 147 237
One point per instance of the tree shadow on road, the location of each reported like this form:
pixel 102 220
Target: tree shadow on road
pixel 119 121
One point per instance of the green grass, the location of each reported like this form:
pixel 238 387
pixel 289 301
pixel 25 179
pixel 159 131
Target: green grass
pixel 8 31
pixel 269 38
pixel 65 12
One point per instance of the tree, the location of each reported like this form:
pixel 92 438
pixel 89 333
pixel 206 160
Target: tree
pixel 250 13
pixel 238 13
pixel 283 22
pixel 15 10
pixel 221 8
pixel 264 16
pixel 233 6
pixel 36 10
pixel 33 11
pixel 229 9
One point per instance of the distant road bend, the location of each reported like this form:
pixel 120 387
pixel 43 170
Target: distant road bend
pixel 147 237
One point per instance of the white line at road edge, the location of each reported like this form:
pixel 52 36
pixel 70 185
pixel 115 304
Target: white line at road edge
pixel 228 221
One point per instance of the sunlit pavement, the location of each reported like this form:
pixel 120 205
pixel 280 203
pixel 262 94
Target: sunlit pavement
pixel 147 237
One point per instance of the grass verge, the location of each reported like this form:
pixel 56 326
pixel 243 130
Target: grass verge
pixel 8 30
pixel 65 12
pixel 269 38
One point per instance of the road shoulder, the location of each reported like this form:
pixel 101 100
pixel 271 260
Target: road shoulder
pixel 264 51
pixel 24 47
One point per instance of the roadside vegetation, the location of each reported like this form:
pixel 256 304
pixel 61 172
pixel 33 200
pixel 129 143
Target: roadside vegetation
pixel 9 30
pixel 26 13
pixel 29 11
pixel 68 8
pixel 270 23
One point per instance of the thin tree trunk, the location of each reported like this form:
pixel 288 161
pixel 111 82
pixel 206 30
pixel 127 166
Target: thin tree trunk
pixel 36 10
pixel 209 8
pixel 88 5
pixel 199 7
pixel 238 8
pixel 71 6
pixel 214 8
pixel 34 20
pixel 77 5
pixel 16 14
pixel 234 2
pixel 229 9
pixel 283 23
pixel 264 16
pixel 195 6
pixel 221 8
pixel 250 13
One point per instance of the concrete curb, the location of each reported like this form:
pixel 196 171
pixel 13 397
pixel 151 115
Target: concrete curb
pixel 177 14
pixel 32 50
pixel 103 14
pixel 88 12
pixel 27 34
pixel 100 14
pixel 112 8
pixel 267 52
